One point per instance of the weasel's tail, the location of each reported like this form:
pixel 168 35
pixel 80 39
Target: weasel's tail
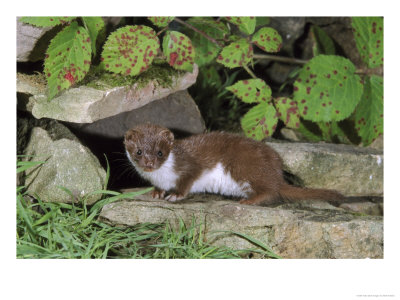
pixel 293 193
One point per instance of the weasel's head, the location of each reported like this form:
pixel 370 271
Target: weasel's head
pixel 148 146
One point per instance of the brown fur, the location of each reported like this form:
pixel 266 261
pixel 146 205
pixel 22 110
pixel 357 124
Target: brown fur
pixel 245 159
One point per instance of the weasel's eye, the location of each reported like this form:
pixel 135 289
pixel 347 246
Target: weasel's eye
pixel 160 154
pixel 139 152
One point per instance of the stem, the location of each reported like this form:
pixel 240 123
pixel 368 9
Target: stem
pixel 288 60
pixel 199 31
pixel 250 72
pixel 161 31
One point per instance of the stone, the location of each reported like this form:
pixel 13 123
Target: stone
pixel 354 171
pixel 157 112
pixel 86 104
pixel 364 207
pixel 68 165
pixel 32 41
pixel 298 232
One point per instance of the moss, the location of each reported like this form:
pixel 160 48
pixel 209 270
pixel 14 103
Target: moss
pixel 160 71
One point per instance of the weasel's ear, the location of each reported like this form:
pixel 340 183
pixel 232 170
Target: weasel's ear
pixel 167 134
pixel 131 136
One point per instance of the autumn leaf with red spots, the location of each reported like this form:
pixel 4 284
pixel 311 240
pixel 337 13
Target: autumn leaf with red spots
pixel 178 50
pixel 327 89
pixel 130 50
pixel 261 120
pixel 236 54
pixel 267 39
pixel 68 58
pixel 288 111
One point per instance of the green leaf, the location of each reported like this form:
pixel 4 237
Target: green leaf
pixel 288 111
pixel 94 26
pixel 68 58
pixel 206 50
pixel 322 43
pixel 46 21
pixel 368 33
pixel 327 89
pixel 161 21
pixel 179 50
pixel 130 50
pixel 245 24
pixel 251 91
pixel 236 54
pixel 369 112
pixel 267 39
pixel 260 121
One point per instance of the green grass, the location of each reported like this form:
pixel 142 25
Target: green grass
pixel 60 230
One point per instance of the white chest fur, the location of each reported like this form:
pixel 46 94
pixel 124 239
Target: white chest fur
pixel 214 180
pixel 164 178
pixel 217 181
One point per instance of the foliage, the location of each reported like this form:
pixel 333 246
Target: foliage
pixel 328 89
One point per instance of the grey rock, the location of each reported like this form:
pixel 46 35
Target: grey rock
pixel 86 104
pixel 32 41
pixel 68 165
pixel 289 232
pixel 162 112
pixel 354 171
pixel 364 207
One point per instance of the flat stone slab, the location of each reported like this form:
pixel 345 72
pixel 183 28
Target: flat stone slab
pixel 86 104
pixel 354 171
pixel 306 232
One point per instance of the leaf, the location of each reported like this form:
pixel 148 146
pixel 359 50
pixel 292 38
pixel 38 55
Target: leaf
pixel 245 24
pixel 236 54
pixel 322 43
pixel 46 21
pixel 68 58
pixel 206 50
pixel 130 50
pixel 251 91
pixel 369 112
pixel 368 33
pixel 288 111
pixel 179 50
pixel 327 89
pixel 161 21
pixel 260 121
pixel 267 39
pixel 94 26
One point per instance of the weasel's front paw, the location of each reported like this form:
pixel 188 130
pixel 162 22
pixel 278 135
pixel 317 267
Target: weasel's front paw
pixel 158 194
pixel 174 197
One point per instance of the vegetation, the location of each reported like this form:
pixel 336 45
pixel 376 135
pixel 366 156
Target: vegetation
pixel 328 89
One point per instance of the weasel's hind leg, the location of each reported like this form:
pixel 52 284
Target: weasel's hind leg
pixel 267 197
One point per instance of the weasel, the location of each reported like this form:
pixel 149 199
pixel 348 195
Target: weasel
pixel 216 162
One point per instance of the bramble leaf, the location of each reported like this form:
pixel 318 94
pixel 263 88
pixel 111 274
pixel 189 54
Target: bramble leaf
pixel 206 50
pixel 251 91
pixel 327 89
pixel 161 21
pixel 267 39
pixel 68 58
pixel 260 121
pixel 368 33
pixel 369 112
pixel 94 26
pixel 46 21
pixel 236 54
pixel 245 24
pixel 322 43
pixel 130 50
pixel 179 50
pixel 288 111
